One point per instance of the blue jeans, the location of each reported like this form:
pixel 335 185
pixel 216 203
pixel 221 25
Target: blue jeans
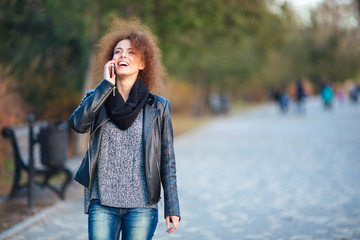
pixel 106 223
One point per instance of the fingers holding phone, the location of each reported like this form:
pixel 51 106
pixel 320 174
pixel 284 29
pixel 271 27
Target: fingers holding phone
pixel 109 71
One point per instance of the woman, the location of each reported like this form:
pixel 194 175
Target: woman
pixel 130 152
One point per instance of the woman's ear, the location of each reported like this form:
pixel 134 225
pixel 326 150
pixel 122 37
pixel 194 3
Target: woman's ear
pixel 142 65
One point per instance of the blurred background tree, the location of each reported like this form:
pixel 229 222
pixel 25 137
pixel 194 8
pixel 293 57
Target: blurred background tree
pixel 243 48
pixel 12 112
pixel 44 48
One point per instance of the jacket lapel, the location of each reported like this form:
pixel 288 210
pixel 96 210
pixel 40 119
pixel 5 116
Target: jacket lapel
pixel 150 115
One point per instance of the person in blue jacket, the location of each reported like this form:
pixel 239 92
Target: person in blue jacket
pixel 327 94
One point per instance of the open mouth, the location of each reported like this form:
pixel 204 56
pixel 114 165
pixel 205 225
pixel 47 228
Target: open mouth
pixel 123 64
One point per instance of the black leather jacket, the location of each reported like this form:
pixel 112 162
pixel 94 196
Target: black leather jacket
pixel 157 141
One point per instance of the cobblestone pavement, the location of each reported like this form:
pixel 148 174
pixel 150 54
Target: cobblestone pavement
pixel 256 175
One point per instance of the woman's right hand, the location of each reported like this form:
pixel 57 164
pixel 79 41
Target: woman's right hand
pixel 109 68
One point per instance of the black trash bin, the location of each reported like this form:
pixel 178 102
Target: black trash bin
pixel 53 138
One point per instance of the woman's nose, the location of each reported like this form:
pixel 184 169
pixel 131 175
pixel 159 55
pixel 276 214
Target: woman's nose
pixel 122 55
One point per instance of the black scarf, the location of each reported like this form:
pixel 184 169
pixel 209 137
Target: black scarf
pixel 122 113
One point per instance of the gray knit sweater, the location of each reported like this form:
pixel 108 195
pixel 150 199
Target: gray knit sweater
pixel 120 179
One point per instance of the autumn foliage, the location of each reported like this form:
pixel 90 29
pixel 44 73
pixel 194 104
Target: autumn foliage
pixel 12 111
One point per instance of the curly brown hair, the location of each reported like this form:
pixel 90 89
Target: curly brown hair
pixel 142 41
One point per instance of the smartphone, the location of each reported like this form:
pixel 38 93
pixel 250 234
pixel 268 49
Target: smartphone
pixel 111 70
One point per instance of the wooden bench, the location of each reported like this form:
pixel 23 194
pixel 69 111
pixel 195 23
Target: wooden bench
pixel 19 138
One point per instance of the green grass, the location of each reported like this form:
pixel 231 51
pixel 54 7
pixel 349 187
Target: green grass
pixel 183 123
pixel 6 176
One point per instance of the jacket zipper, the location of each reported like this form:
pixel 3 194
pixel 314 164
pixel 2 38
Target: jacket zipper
pixel 157 162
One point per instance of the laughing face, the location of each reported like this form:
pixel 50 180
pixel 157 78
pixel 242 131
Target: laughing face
pixel 128 61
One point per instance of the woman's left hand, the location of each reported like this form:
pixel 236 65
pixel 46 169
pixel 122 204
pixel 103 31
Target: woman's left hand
pixel 175 223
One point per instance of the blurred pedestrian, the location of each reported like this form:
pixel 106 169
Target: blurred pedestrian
pixel 130 152
pixel 300 96
pixel 275 93
pixel 214 103
pixel 354 94
pixel 284 101
pixel 327 94
pixel 282 98
pixel 225 103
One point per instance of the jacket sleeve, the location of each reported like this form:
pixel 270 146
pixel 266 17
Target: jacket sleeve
pixel 168 166
pixel 83 116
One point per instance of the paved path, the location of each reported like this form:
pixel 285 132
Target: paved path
pixel 257 175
